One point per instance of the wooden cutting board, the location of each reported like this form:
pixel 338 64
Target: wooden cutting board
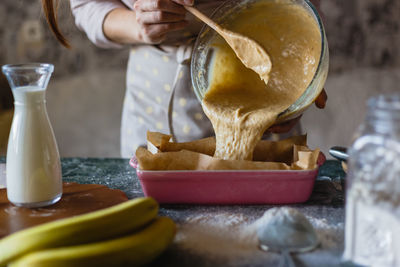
pixel 77 199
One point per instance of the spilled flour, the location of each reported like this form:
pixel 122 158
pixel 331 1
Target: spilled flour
pixel 234 236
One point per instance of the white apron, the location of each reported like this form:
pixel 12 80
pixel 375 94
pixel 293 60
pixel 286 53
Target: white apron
pixel 160 97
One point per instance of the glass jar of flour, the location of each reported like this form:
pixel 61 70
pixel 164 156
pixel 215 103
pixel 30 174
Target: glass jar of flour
pixel 372 233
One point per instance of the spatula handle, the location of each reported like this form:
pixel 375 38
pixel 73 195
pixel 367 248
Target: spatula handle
pixel 203 18
pixel 339 153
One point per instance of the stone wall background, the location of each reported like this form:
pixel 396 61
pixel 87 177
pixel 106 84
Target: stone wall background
pixel 86 92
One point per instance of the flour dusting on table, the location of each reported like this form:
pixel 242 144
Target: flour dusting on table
pixel 223 235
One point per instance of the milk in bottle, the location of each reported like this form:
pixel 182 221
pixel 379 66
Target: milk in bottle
pixel 33 164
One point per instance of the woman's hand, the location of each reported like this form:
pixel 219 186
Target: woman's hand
pixel 286 126
pixel 148 23
pixel 320 101
pixel 156 18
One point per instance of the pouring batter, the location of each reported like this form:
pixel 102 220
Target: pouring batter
pixel 239 104
pixel 160 33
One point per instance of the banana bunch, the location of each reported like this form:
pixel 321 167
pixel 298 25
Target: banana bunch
pixel 128 233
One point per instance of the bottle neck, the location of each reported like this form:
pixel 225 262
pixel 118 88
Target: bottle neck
pixel 29 96
pixel 383 115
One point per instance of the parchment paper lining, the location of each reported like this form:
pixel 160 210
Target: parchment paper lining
pixel 161 154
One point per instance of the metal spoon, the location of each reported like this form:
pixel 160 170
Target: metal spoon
pixel 339 153
pixel 250 53
pixel 286 230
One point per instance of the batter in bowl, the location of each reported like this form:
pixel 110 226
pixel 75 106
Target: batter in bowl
pixel 239 104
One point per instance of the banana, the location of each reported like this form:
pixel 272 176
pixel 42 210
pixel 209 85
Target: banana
pixel 98 225
pixel 132 250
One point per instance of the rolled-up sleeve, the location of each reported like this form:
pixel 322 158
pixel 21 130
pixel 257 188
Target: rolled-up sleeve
pixel 89 17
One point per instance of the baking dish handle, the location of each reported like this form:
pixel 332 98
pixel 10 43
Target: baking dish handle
pixel 321 159
pixel 133 162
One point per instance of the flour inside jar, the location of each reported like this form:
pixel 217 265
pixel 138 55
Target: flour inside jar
pixel 239 104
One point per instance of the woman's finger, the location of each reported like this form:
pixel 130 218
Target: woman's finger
pixel 155 39
pixel 320 102
pixel 157 17
pixel 153 31
pixel 159 5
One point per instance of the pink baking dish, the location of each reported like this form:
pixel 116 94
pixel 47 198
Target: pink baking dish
pixel 228 187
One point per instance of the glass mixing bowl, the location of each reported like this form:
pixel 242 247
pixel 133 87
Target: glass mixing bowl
pixel 203 53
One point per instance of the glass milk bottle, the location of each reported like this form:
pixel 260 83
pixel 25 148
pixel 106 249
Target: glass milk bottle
pixel 372 233
pixel 33 166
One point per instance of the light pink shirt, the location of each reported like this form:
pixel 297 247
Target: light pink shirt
pixel 89 17
pixel 90 14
